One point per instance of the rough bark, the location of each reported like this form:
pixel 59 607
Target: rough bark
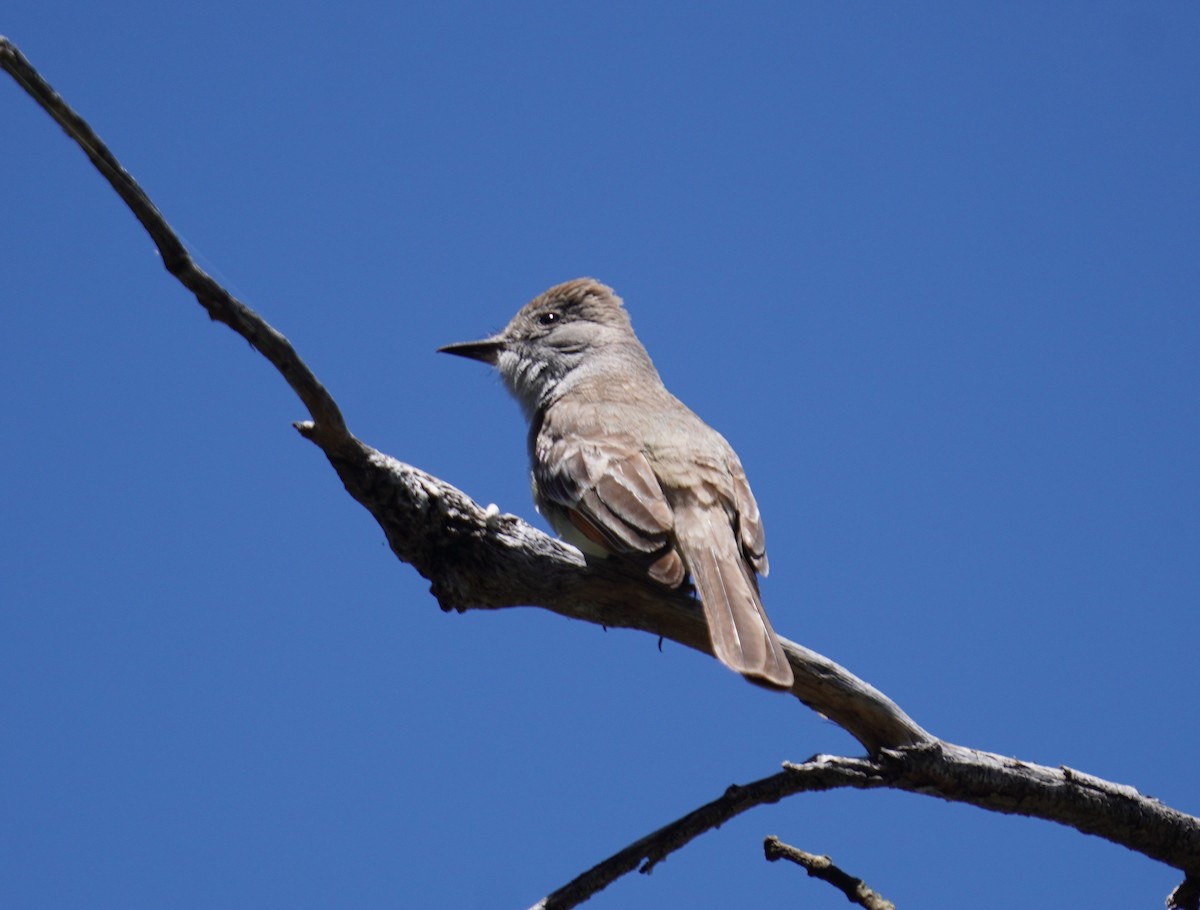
pixel 476 558
pixel 822 867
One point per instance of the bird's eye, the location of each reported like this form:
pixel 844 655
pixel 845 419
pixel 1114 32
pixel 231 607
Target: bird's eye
pixel 549 318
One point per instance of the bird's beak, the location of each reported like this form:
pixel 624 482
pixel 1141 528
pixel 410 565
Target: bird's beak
pixel 486 350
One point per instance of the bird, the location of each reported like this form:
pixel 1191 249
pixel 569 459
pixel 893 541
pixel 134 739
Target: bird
pixel 622 469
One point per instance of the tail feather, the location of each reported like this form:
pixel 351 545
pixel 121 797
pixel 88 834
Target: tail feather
pixel 741 634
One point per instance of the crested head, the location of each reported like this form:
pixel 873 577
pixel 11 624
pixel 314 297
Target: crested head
pixel 582 299
pixel 573 333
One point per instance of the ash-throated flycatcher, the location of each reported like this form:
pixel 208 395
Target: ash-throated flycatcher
pixel 622 468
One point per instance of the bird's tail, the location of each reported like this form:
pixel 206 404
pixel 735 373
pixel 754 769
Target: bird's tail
pixel 742 637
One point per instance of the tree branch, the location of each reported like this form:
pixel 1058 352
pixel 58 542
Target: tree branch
pixel 219 303
pixel 822 867
pixel 1186 896
pixel 474 558
pixel 647 852
pixel 481 559
pixel 1117 813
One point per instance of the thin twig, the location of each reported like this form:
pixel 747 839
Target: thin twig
pixel 950 772
pixel 477 558
pixel 822 867
pixel 647 852
pixel 220 304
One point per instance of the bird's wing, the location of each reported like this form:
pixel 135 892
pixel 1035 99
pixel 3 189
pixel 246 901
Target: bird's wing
pixel 611 484
pixel 750 533
pixel 608 491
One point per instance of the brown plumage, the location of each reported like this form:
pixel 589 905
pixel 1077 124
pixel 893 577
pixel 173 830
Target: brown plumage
pixel 622 468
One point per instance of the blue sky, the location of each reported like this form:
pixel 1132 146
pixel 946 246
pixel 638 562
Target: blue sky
pixel 931 268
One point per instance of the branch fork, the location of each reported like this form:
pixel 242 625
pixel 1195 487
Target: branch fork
pixel 478 558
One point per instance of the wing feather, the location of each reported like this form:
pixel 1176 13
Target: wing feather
pixel 612 487
pixel 749 522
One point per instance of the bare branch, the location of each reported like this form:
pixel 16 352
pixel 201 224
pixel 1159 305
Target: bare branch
pixel 1115 812
pixel 480 559
pixel 474 559
pixel 1186 896
pixel 221 305
pixel 649 851
pixel 1088 804
pixel 822 867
